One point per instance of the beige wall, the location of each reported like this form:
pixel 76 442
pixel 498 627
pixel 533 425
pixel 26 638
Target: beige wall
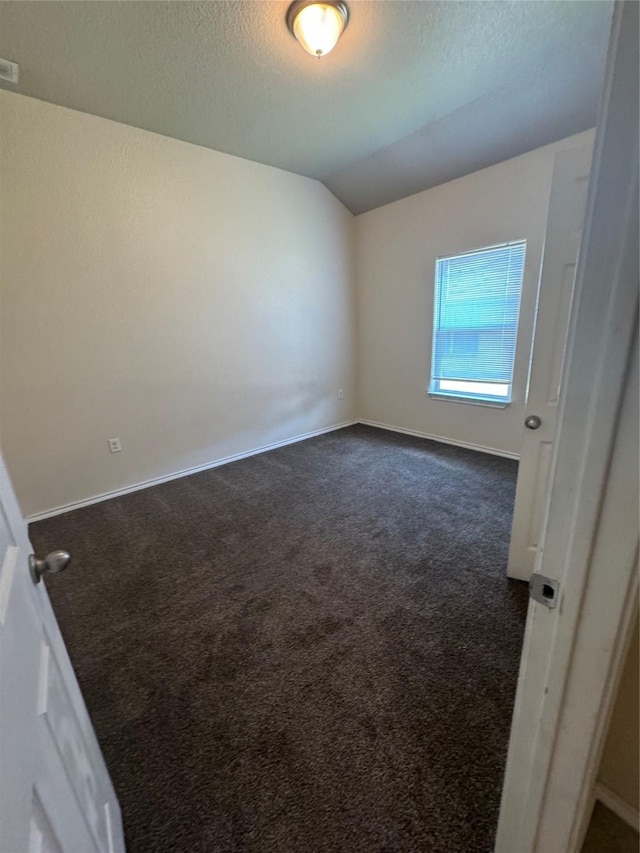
pixel 194 304
pixel 397 246
pixel 619 767
pixel 198 305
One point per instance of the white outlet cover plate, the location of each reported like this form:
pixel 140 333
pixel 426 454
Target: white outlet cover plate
pixel 9 71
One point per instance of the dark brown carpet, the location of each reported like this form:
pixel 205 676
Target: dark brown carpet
pixel 315 649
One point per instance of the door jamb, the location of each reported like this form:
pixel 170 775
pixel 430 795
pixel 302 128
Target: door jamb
pixel 572 656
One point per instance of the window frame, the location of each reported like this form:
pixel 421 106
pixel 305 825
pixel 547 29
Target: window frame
pixel 461 397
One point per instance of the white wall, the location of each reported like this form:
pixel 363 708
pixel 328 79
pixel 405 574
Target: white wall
pixel 396 249
pixel 194 304
pixel 198 305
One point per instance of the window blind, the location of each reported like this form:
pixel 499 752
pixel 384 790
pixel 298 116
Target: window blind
pixel 477 302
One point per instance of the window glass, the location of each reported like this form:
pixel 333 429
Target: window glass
pixel 477 302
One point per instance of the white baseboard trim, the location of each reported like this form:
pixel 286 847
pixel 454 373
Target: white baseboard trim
pixel 492 450
pixel 626 812
pixel 156 481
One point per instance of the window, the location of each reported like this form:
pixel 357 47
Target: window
pixel 477 300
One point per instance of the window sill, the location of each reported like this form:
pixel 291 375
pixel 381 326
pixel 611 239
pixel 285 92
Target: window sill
pixel 454 398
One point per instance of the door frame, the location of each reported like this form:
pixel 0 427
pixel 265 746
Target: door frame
pixel 573 655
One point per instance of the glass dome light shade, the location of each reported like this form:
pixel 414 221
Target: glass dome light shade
pixel 318 26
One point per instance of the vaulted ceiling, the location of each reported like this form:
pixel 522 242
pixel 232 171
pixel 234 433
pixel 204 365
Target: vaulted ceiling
pixel 416 92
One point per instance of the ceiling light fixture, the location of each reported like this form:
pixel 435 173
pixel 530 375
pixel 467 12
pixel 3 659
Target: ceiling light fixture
pixel 317 24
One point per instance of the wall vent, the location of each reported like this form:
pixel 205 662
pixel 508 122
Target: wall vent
pixel 8 71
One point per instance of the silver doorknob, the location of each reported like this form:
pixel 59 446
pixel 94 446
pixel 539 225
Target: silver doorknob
pixel 532 422
pixel 56 561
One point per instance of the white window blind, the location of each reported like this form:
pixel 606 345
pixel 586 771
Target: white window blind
pixel 477 302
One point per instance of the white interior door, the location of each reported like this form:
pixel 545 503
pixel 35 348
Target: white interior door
pixel 55 791
pixel 562 242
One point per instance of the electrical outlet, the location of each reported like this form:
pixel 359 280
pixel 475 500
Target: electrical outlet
pixel 114 445
pixel 340 394
pixel 8 71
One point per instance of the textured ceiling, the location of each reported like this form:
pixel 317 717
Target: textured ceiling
pixel 415 93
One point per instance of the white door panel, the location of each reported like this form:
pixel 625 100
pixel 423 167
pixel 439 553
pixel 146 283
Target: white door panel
pixel 41 836
pixel 562 243
pixel 55 791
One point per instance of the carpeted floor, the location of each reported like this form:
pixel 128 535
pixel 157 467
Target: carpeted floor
pixel 311 650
